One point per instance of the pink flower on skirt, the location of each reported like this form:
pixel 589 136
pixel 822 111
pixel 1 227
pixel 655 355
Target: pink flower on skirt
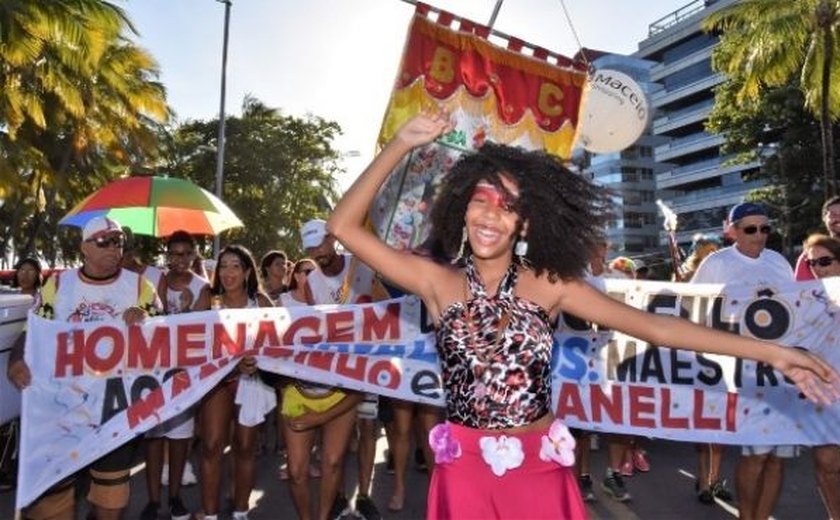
pixel 558 445
pixel 501 453
pixel 446 447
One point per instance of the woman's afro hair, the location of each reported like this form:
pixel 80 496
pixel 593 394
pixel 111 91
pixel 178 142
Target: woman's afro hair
pixel 566 213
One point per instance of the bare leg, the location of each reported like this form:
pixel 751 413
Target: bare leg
pixel 401 440
pixel 154 466
pixel 827 468
pixel 216 415
pixel 245 441
pixel 335 437
pixel 774 475
pixel 366 454
pixel 749 480
pixel 178 449
pixel 427 418
pixel 583 454
pixel 298 449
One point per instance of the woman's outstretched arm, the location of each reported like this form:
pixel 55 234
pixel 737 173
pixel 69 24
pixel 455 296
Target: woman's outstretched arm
pixel 347 223
pixel 813 376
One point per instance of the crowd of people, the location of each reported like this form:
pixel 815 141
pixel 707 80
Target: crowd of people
pixel 516 240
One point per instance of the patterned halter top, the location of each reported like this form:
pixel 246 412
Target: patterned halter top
pixel 496 356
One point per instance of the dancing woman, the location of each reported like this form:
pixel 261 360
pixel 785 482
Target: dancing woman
pixel 493 316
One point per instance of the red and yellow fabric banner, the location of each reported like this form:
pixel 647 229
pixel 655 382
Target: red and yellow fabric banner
pixel 493 93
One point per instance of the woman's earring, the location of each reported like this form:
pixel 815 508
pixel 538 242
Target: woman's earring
pixel 520 250
pixel 462 251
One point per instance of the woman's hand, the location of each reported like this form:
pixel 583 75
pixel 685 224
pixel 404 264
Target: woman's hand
pixel 423 128
pixel 248 365
pixel 815 378
pixel 306 421
pixel 134 315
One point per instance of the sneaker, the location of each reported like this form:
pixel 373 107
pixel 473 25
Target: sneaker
pixel 240 515
pixel 720 490
pixel 177 511
pixel 614 486
pixel 188 478
pixel 164 475
pixel 366 509
pixel 586 492
pixel 640 461
pixel 339 508
pixel 150 512
pixel 420 460
pixel 705 497
pixel 626 469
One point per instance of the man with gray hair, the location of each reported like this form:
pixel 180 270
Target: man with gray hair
pixel 760 470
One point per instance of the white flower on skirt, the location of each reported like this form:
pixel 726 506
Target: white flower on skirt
pixel 558 445
pixel 501 453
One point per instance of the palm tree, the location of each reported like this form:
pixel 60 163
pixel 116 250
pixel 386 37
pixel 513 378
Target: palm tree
pixel 766 43
pixel 80 104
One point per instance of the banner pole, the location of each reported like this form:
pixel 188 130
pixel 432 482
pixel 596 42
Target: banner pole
pixel 495 14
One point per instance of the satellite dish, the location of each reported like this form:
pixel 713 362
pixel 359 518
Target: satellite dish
pixel 615 113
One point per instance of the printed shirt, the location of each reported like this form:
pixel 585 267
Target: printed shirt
pixel 70 296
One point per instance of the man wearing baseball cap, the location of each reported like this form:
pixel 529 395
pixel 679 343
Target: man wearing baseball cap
pixel 99 290
pixel 760 470
pixel 340 279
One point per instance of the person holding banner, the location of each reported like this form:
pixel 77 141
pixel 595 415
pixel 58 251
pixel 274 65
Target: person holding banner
pixel 822 256
pixel 760 470
pixel 181 291
pixel 99 290
pixel 235 286
pixel 523 229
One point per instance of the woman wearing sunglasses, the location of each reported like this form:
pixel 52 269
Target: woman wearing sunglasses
pixel 821 254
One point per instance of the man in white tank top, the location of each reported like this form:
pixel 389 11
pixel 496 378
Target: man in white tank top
pixel 99 290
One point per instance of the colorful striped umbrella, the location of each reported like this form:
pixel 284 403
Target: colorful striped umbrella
pixel 156 206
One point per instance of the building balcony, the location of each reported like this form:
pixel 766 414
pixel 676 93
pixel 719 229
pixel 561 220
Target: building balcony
pixel 663 70
pixel 720 196
pixel 664 97
pixel 686 145
pixel 699 171
pixel 694 114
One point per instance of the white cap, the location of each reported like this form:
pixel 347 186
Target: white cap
pixel 100 226
pixel 312 233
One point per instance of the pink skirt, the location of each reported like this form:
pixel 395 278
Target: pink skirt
pixel 468 486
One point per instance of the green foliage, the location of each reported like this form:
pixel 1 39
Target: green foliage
pixel 279 171
pixel 80 105
pixel 775 130
pixel 770 43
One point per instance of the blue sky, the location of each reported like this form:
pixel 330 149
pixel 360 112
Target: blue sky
pixel 338 58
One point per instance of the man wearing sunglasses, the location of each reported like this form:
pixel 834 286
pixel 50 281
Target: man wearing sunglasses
pixel 99 290
pixel 760 470
pixel 831 220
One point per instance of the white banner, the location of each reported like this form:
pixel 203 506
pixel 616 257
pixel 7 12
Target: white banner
pixel 97 385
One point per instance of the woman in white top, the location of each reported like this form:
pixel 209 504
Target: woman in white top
pixel 296 295
pixel 235 286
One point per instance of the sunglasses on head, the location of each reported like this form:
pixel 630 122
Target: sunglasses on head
pixel 751 230
pixel 823 261
pixel 104 242
pixel 306 271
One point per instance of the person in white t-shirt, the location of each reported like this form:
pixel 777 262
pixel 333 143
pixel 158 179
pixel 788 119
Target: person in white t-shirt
pixel 760 470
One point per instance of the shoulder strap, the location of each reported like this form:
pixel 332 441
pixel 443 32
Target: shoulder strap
pixel 348 281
